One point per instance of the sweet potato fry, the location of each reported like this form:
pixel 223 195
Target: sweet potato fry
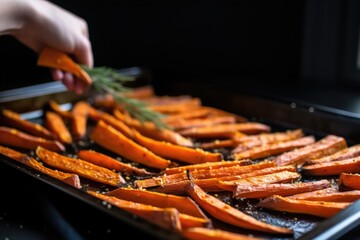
pixel 225 130
pixel 351 165
pixel 330 194
pixel 201 122
pixel 251 141
pixel 201 174
pixel 57 126
pixel 224 212
pixel 274 148
pixel 199 112
pixel 167 218
pixel 80 167
pixel 143 92
pixel 282 189
pixel 57 108
pixel 315 208
pixel 324 147
pixel 108 162
pixel 15 138
pixel 15 120
pixel 71 179
pixel 219 112
pixel 227 143
pixel 207 165
pixel 181 203
pixel 113 140
pixel 214 234
pixel 277 177
pixel 350 152
pixel 211 184
pixel 150 130
pixel 176 152
pixel 53 58
pixel 177 107
pixel 349 181
pixel 80 113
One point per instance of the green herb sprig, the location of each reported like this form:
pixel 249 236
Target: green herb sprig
pixel 110 81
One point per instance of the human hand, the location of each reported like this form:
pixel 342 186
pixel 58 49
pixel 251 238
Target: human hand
pixel 39 24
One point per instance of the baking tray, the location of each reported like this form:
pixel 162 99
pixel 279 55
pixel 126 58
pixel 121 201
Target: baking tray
pixel 31 101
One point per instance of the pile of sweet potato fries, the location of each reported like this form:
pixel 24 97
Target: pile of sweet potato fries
pixel 171 177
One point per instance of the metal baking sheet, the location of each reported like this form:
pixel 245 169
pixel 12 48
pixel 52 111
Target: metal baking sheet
pixel 305 227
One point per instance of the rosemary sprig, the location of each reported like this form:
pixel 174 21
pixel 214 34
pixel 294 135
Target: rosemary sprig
pixel 108 80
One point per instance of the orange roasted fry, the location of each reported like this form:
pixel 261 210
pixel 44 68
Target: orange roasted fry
pixel 80 167
pixel 348 181
pixel 277 177
pixel 57 108
pixel 201 174
pixel 108 162
pixel 113 140
pixel 150 130
pixel 80 113
pixel 225 130
pixel 282 189
pixel 274 148
pixel 181 203
pixel 176 152
pixel 226 213
pixel 247 142
pixel 350 152
pixel 15 138
pixel 324 147
pixel 226 143
pixel 167 218
pixel 69 178
pixel 351 165
pixel 56 59
pixel 194 114
pixel 219 112
pixel 207 165
pixel 177 107
pixel 15 120
pixel 201 122
pixel 315 208
pixel 330 194
pixel 199 233
pixel 57 126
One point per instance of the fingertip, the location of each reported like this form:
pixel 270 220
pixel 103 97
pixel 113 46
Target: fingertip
pixel 57 74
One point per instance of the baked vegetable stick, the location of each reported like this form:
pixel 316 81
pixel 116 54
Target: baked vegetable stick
pixel 150 130
pixel 207 165
pixel 201 174
pixel 167 218
pixel 108 162
pixel 181 203
pixel 143 92
pixel 119 125
pixel 200 233
pixel 349 181
pixel 350 152
pixel 247 142
pixel 201 122
pixel 57 126
pixel 351 165
pixel 282 189
pixel 324 147
pixel 53 58
pixel 225 130
pixel 278 177
pixel 330 194
pixel 57 108
pixel 227 143
pixel 219 112
pixel 113 140
pixel 274 148
pixel 226 213
pixel 315 208
pixel 166 100
pixel 80 113
pixel 211 184
pixel 14 120
pixel 176 152
pixel 177 107
pixel 69 178
pixel 194 114
pixel 15 138
pixel 80 167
